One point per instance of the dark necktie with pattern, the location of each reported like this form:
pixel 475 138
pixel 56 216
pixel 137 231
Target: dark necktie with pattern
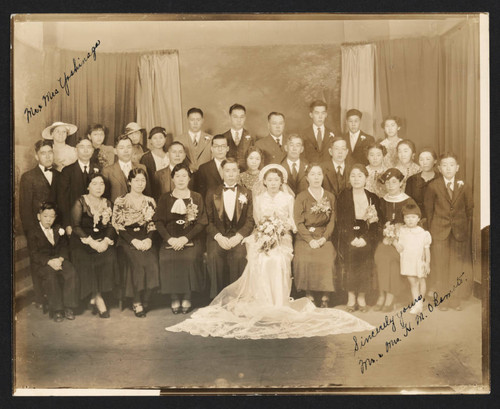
pixel 449 190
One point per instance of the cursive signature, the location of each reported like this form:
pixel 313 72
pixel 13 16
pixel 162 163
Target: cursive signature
pixel 46 98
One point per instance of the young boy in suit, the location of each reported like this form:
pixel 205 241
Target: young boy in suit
pixel 49 253
pixel 448 206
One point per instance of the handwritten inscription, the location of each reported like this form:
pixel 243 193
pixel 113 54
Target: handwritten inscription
pixel 406 327
pixel 64 82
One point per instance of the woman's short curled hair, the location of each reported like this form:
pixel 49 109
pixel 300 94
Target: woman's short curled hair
pixel 93 176
pixel 390 118
pixel 430 150
pixel 136 171
pixel 359 167
pixel 407 142
pixel 312 165
pixel 178 168
pixel 375 145
pixel 253 149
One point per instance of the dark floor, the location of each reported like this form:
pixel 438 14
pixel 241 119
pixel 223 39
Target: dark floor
pixel 125 352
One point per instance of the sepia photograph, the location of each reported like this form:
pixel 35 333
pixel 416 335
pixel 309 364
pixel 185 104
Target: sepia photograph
pixel 250 203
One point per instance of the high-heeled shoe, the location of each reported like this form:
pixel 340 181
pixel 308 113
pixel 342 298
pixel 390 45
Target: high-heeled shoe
pixel 324 302
pixel 58 316
pixel 350 308
pixel 186 306
pixel 104 314
pixel 138 311
pixel 363 308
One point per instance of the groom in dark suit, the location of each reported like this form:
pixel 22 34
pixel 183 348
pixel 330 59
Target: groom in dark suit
pixel 230 220
pixel 317 137
pixel 37 185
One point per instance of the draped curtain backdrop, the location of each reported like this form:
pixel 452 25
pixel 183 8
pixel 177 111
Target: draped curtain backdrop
pixel 158 92
pixel 358 84
pixel 101 91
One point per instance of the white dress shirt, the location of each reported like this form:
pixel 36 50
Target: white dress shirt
pixel 229 202
pixel 160 163
pixel 452 180
pixel 336 165
pixel 290 164
pixel 315 128
pixel 354 139
pixel 125 167
pixel 218 164
pixel 82 166
pixel 237 135
pixel 195 137
pixel 279 139
pixel 48 175
pixel 49 233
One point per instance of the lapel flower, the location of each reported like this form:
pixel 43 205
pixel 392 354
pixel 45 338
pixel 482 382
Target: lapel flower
pixel 247 137
pixel 96 170
pixel 61 231
pixel 242 198
pixel 362 137
pixel 207 137
pixel 460 183
pixel 332 135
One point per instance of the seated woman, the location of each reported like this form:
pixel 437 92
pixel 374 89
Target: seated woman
pixel 104 155
pixel 254 163
pixel 64 154
pixel 258 304
pixel 387 259
pixel 157 158
pixel 133 220
pixel 92 241
pixel 180 219
pixel 357 215
pixel 314 215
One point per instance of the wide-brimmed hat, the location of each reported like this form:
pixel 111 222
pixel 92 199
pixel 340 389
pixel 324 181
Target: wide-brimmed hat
pixel 133 127
pixel 46 133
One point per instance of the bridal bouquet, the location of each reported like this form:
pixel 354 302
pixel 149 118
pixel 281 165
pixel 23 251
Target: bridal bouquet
pixel 269 232
pixel 391 233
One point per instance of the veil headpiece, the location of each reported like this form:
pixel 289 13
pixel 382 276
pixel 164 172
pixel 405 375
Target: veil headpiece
pixel 259 186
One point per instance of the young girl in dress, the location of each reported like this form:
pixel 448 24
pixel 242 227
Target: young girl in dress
pixel 375 154
pixel 406 154
pixel 414 247
pixel 391 126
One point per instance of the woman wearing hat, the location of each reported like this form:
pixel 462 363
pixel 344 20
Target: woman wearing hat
pixel 387 258
pixel 157 158
pixel 64 154
pixel 136 135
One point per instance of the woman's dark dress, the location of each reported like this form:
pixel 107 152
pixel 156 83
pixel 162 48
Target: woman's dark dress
pixel 415 188
pixel 98 272
pixel 313 268
pixel 180 271
pixel 387 258
pixel 357 262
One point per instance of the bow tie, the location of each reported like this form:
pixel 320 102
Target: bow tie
pixel 48 169
pixel 233 188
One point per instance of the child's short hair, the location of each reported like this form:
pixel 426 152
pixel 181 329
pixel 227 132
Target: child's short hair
pixel 411 208
pixel 447 155
pixel 47 206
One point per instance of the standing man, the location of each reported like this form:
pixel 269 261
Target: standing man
pixel 295 166
pixel 336 170
pixel 317 137
pixel 357 140
pixel 37 186
pixel 230 218
pixel 209 175
pixel 273 144
pixel 116 174
pixel 238 138
pixel 195 140
pixel 74 180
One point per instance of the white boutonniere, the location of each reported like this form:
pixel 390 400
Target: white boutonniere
pixel 61 231
pixel 242 198
pixel 362 137
pixel 96 170
pixel 312 229
pixel 247 137
pixel 207 137
pixel 460 183
pixel 332 134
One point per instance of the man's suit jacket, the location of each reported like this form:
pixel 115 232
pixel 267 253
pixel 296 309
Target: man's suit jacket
pixel 300 183
pixel 34 189
pixel 207 178
pixel 243 213
pixel 197 155
pixel 71 187
pixel 239 152
pixel 359 153
pixel 273 153
pixel 116 183
pixel 311 150
pixel 330 179
pixel 447 216
pixel 163 183
pixel 41 250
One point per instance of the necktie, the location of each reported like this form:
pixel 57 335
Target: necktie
pixel 126 170
pixel 220 172
pixel 339 170
pixel 340 178
pixel 195 140
pixel 85 176
pixel 233 188
pixel 294 170
pixel 278 141
pixel 237 138
pixel 449 190
pixel 319 138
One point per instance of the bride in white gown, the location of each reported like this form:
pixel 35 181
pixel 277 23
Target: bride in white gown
pixel 258 304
